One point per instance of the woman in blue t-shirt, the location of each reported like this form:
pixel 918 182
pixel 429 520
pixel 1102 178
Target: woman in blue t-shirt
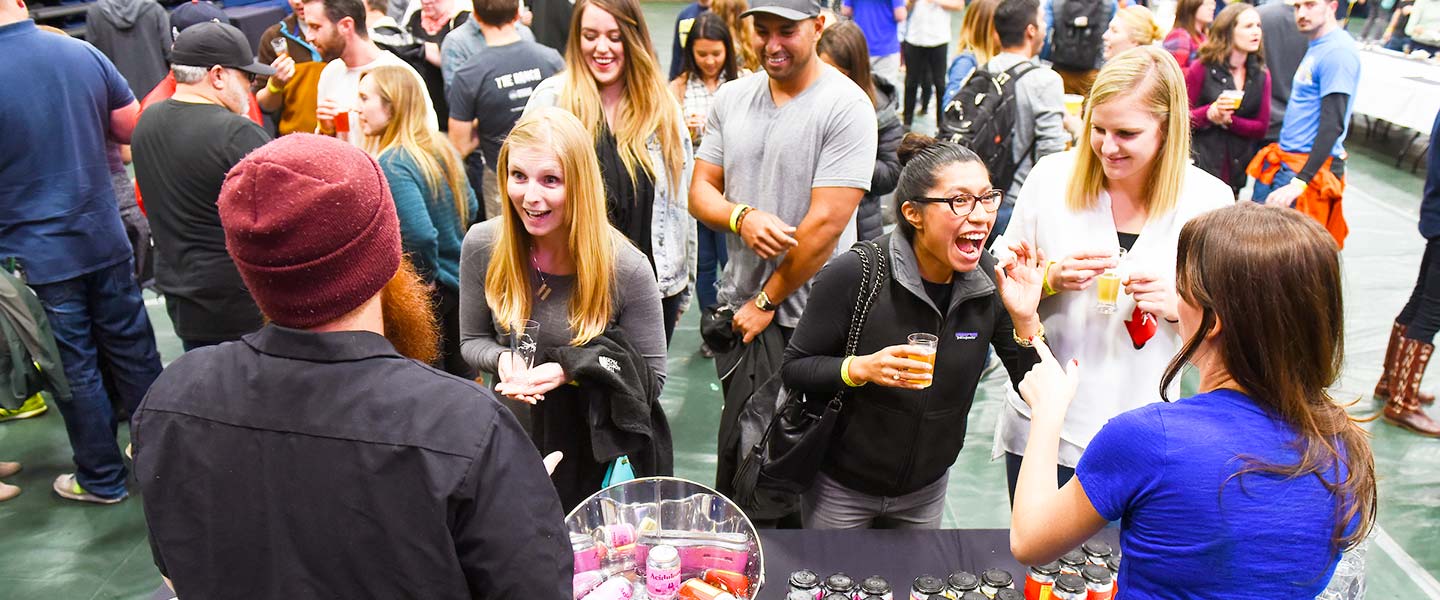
pixel 1254 486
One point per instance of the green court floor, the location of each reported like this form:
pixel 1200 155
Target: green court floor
pixel 55 549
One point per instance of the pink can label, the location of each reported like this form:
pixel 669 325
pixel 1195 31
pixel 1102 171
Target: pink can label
pixel 662 583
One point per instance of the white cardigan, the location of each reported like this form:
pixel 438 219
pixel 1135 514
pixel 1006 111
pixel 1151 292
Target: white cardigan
pixel 1114 376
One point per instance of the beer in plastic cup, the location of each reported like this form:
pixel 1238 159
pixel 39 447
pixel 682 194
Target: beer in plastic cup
pixel 1107 287
pixel 278 44
pixel 1074 103
pixel 342 122
pixel 1230 99
pixel 928 344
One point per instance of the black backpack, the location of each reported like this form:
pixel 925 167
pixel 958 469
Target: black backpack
pixel 982 118
pixel 1080 25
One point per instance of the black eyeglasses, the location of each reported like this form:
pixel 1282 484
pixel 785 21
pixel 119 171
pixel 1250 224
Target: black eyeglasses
pixel 963 204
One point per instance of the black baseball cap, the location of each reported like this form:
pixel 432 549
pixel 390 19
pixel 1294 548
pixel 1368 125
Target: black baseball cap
pixel 209 44
pixel 794 10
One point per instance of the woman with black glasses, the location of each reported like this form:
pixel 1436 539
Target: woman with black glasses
pixel 903 421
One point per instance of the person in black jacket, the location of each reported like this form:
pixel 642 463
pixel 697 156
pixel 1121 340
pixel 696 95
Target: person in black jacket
pixel 843 46
pixel 903 422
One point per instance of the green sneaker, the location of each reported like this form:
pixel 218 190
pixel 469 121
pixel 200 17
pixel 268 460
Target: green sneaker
pixel 33 407
pixel 67 487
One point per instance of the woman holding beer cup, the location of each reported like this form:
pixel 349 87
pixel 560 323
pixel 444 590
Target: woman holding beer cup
pixel 923 346
pixel 1127 185
pixel 1229 90
pixel 1252 487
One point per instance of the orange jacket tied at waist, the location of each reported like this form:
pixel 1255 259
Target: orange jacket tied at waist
pixel 1321 198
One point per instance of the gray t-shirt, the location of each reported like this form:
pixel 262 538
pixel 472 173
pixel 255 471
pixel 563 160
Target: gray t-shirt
pixel 493 87
pixel 637 304
pixel 773 156
pixel 1285 47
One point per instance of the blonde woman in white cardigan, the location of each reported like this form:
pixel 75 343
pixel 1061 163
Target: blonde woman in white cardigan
pixel 1127 184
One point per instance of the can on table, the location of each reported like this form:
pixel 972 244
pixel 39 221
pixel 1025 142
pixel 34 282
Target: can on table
pixel 801 595
pixel 876 585
pixel 837 596
pixel 972 596
pixel 1072 562
pixel 1009 594
pixel 1096 552
pixel 1098 582
pixel 840 583
pixel 927 586
pixel 1113 563
pixel 806 581
pixel 994 580
pixel 1040 579
pixel 1069 587
pixel 960 582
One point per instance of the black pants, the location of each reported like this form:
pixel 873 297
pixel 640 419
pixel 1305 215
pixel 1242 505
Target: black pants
pixel 1422 312
pixel 670 310
pixel 925 71
pixel 1012 473
pixel 475 173
pixel 447 314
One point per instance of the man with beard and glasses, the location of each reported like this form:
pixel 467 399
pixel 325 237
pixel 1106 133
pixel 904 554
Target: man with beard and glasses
pixel 337 29
pixel 787 155
pixel 322 454
pixel 1305 169
pixel 183 147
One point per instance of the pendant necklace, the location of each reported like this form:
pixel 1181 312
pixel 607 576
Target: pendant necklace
pixel 544 292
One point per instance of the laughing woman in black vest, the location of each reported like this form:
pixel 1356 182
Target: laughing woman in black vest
pixel 902 428
pixel 1231 64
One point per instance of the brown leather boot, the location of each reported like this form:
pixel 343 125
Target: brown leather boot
pixel 1403 408
pixel 1382 388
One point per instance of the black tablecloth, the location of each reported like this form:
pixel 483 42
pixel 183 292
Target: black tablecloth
pixel 897 555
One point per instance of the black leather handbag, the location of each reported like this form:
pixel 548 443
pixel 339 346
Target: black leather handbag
pixel 781 465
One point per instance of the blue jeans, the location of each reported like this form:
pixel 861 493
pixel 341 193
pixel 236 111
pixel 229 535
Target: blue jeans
pixel 100 316
pixel 1262 191
pixel 712 258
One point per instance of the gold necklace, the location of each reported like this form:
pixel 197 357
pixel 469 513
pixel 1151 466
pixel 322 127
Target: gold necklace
pixel 544 292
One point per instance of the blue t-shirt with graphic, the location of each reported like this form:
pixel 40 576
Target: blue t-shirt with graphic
pixel 1189 527
pixel 1331 66
pixel 876 19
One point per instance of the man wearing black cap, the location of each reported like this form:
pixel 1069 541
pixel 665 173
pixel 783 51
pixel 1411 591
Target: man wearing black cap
pixel 792 157
pixel 183 147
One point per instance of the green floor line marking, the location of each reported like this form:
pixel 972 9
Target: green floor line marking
pixel 1412 569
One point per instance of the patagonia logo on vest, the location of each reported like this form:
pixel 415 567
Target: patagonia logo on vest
pixel 966 335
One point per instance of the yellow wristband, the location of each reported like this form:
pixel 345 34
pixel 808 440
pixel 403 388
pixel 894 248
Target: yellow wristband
pixel 845 372
pixel 735 217
pixel 1046 289
pixel 270 85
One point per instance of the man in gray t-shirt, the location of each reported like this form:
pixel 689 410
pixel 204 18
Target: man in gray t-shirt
pixel 796 143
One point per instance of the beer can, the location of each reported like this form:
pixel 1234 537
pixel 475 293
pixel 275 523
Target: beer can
pixel 994 580
pixel 876 585
pixel 808 582
pixel 925 587
pixel 1072 562
pixel 1098 583
pixel 1040 579
pixel 1069 587
pixel 960 582
pixel 1096 552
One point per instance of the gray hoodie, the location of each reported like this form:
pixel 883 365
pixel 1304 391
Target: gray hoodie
pixel 135 34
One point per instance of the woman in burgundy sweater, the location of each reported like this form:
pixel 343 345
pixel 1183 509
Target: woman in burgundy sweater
pixel 1230 63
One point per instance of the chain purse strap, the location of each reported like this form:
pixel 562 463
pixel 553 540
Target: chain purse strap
pixel 872 278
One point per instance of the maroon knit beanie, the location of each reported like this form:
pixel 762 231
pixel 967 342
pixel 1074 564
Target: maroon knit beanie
pixel 311 226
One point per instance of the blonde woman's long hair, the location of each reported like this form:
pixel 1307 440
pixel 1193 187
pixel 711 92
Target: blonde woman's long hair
pixel 977 31
pixel 591 238
pixel 647 106
pixel 1141 24
pixel 409 131
pixel 742 30
pixel 1153 74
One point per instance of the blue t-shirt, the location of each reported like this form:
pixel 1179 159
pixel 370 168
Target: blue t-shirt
pixel 1331 66
pixel 57 208
pixel 1189 530
pixel 876 19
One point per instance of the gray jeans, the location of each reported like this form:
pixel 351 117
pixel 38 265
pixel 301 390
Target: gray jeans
pixel 830 505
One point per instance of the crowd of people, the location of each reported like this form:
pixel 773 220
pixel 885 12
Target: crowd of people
pixel 411 250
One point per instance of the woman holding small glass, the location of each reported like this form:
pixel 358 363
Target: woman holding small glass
pixel 1127 186
pixel 553 265
pixel 922 349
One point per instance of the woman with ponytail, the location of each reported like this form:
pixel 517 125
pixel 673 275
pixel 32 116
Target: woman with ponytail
pixel 904 422
pixel 1252 487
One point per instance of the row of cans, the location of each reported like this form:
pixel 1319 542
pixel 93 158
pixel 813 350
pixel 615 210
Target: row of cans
pixel 1086 573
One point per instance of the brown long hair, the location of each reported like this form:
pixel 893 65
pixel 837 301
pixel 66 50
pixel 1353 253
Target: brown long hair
pixel 845 44
pixel 741 29
pixel 1185 17
pixel 1232 264
pixel 977 31
pixel 1216 49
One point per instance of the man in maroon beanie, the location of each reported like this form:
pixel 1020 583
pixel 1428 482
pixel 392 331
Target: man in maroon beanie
pixel 321 456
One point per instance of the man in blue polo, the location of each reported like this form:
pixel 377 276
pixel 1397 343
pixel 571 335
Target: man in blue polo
pixel 60 227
